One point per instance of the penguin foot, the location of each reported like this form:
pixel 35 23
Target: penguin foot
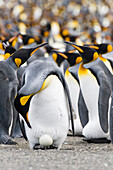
pixel 101 140
pixel 38 146
pixel 5 139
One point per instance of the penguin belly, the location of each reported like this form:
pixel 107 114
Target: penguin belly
pixel 74 89
pixel 48 114
pixel 90 90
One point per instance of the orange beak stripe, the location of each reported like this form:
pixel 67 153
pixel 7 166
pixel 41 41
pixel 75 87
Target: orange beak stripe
pixel 63 55
pixel 95 47
pixel 78 48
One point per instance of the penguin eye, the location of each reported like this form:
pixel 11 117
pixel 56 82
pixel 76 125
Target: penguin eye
pixel 18 61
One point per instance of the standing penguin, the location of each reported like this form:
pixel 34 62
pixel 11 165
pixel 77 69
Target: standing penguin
pixel 43 102
pixel 71 76
pixel 96 86
pixel 8 90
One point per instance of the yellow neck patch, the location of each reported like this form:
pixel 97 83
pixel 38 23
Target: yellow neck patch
pixel 46 83
pixel 82 70
pixel 1 46
pixel 102 58
pixel 18 61
pixel 67 73
pixel 31 40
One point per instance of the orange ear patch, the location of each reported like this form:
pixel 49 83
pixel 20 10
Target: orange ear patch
pixel 109 48
pixel 24 99
pixel 54 55
pixel 18 61
pixel 78 60
pixel 31 40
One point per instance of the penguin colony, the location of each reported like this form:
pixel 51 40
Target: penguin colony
pixel 48 90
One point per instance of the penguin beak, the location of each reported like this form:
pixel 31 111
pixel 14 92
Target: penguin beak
pixel 75 46
pixel 94 47
pixel 13 38
pixel 63 55
pixel 37 47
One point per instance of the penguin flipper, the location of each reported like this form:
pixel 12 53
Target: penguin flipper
pixel 103 102
pixel 62 79
pixel 22 127
pixel 83 111
pixel 111 120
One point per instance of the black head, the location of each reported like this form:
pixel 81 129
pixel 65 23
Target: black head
pixel 88 54
pixel 20 56
pixel 27 39
pixel 9 50
pixel 102 48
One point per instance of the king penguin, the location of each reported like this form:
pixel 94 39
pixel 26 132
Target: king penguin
pixel 8 90
pixel 71 76
pixel 96 87
pixel 44 103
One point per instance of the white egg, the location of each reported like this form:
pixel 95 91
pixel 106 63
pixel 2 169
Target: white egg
pixel 45 140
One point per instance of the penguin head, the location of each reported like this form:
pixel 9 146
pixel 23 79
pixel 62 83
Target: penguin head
pixel 72 58
pixel 27 39
pixel 20 56
pixel 102 48
pixel 9 50
pixel 88 54
pixel 58 57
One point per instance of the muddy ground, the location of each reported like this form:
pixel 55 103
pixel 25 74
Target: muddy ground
pixel 75 154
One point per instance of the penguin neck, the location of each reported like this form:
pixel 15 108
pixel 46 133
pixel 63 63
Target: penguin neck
pixel 67 72
pixel 82 69
pixel 107 63
pixel 102 58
